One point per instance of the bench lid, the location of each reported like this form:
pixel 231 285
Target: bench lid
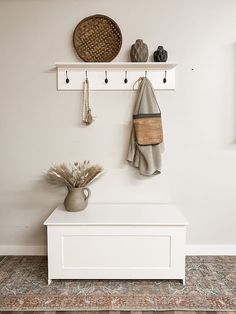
pixel 119 214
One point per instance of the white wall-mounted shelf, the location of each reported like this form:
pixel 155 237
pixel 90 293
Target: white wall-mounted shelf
pixel 117 65
pixel 116 73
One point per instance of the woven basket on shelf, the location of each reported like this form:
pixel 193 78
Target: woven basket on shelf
pixel 97 38
pixel 148 129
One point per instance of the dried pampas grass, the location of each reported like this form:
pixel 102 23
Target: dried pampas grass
pixel 77 175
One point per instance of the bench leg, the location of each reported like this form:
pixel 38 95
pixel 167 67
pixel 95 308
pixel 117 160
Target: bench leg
pixel 49 281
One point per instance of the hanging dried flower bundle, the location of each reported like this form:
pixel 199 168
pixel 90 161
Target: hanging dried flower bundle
pixel 77 175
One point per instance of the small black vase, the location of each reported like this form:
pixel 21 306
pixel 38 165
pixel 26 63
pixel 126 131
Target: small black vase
pixel 160 55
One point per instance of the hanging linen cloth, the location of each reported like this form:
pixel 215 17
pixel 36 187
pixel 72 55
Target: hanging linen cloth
pixel 146 139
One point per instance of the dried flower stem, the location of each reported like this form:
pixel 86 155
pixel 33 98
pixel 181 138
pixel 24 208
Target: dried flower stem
pixel 73 176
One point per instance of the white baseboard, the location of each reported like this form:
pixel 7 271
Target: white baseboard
pixel 214 249
pixel 227 249
pixel 23 250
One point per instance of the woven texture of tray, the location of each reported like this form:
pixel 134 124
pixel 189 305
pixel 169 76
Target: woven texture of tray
pixel 97 38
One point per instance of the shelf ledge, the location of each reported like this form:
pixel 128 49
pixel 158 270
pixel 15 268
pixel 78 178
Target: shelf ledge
pixel 117 65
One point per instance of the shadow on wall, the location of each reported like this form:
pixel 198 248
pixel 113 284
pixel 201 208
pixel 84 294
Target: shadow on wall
pixel 234 84
pixel 44 195
pixel 33 206
pixel 228 103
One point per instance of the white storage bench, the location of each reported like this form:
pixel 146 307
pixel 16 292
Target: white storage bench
pixel 117 241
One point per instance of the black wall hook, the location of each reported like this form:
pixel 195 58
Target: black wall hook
pixel 145 74
pixel 86 75
pixel 164 79
pixel 67 79
pixel 106 79
pixel 126 79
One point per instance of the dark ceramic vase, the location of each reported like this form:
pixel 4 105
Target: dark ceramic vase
pixel 139 51
pixel 160 55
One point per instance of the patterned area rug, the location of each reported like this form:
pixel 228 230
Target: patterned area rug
pixel 210 285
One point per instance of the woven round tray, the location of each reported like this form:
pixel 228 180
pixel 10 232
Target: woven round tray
pixel 97 38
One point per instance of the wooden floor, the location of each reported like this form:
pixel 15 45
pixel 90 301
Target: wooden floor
pixel 117 312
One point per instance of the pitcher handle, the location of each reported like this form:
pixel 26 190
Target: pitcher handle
pixel 88 191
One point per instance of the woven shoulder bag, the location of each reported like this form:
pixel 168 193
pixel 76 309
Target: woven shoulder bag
pixel 148 129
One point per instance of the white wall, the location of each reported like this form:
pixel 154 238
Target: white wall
pixel 40 126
